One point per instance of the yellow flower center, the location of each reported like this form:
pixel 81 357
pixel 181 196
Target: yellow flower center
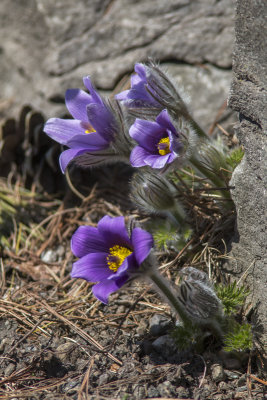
pixel 164 146
pixel 90 130
pixel 117 255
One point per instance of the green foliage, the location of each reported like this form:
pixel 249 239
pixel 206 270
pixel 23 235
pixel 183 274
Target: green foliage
pixel 235 157
pixel 187 336
pixel 239 338
pixel 231 296
pixel 166 237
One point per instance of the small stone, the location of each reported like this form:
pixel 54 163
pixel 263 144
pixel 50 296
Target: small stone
pixel 159 324
pixel 166 389
pixel 103 379
pixel 152 392
pixel 242 388
pixel 9 369
pixel 217 373
pixel 165 346
pixel 49 256
pixel 232 375
pixel 63 351
pixel 3 344
pixel 242 380
pixel 139 391
pixel 182 392
pixel 223 386
pixel 61 251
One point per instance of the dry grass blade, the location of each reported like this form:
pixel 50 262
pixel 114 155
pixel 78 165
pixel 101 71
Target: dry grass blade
pixel 79 331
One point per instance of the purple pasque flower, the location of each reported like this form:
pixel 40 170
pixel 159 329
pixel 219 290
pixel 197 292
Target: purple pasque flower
pixel 108 255
pixel 92 128
pixel 138 95
pixel 159 143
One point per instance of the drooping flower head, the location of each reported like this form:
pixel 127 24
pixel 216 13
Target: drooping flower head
pixel 91 130
pixel 152 88
pixel 108 255
pixel 159 143
pixel 138 95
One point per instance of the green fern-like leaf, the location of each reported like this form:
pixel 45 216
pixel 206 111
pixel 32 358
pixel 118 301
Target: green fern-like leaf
pixel 239 338
pixel 232 297
pixel 235 157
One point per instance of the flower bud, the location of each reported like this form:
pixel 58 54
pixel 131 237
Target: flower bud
pixel 151 192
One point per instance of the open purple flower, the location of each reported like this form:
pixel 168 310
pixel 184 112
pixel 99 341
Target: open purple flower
pixel 92 128
pixel 159 143
pixel 108 255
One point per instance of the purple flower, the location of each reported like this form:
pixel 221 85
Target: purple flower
pixel 108 255
pixel 92 128
pixel 138 95
pixel 159 142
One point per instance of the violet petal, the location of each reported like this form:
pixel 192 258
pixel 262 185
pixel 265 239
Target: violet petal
pixel 63 130
pixel 102 120
pixel 138 156
pixel 146 133
pixel 164 120
pixel 114 232
pixel 86 240
pixel 90 141
pixel 103 289
pixel 76 102
pixel 96 98
pixel 142 243
pixel 92 267
pixel 67 156
pixel 157 161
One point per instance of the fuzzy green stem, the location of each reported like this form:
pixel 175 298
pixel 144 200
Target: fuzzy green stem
pixel 163 286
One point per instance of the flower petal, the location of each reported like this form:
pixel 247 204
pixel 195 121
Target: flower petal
pixel 67 156
pixel 122 96
pixel 86 240
pixel 140 69
pixel 90 141
pixel 147 133
pixel 164 120
pixel 113 231
pixel 96 98
pixel 63 130
pixel 142 243
pixel 102 120
pixel 137 156
pixel 176 145
pixel 92 267
pixel 128 265
pixel 158 161
pixel 103 289
pixel 76 102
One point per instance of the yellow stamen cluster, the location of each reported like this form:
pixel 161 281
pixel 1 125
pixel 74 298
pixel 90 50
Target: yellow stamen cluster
pixel 117 255
pixel 90 130
pixel 166 149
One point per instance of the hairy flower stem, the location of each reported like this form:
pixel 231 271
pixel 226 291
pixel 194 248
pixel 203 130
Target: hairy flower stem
pixel 163 287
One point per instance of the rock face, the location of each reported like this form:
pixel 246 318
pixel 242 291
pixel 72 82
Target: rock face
pixel 248 97
pixel 48 46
